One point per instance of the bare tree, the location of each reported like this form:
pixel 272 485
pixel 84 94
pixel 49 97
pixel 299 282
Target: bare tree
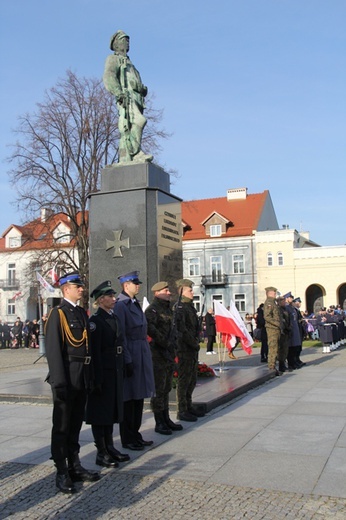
pixel 62 148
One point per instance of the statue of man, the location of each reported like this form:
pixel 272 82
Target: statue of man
pixel 123 80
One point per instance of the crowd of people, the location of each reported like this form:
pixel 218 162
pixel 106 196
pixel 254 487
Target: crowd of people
pixel 283 327
pixel 102 368
pixel 20 334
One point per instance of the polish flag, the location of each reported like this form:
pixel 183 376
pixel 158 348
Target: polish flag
pixel 54 275
pixel 230 325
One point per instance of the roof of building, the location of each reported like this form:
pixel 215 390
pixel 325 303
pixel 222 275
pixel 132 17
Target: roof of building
pixel 243 215
pixel 37 234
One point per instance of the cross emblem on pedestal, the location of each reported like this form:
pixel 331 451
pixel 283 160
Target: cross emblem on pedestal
pixel 117 243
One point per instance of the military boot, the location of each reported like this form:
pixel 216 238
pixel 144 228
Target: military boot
pixel 113 452
pixel 172 425
pixel 62 479
pixel 103 458
pixel 78 473
pixel 161 426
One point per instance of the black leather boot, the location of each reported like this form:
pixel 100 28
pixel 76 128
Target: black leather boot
pixel 103 458
pixel 161 426
pixel 78 473
pixel 172 425
pixel 63 480
pixel 113 452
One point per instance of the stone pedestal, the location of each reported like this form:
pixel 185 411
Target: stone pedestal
pixel 135 224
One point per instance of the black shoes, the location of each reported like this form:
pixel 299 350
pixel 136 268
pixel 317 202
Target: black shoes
pixel 79 474
pixel 116 455
pixel 135 446
pixel 175 427
pixel 142 442
pixel 64 483
pixel 186 416
pixel 161 425
pixel 105 460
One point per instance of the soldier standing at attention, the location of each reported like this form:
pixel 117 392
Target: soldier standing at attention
pixel 105 403
pixel 159 317
pixel 285 334
pixel 139 378
pixel 187 351
pixel 68 355
pixel 273 327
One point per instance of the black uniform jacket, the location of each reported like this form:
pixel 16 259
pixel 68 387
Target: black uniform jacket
pixel 105 403
pixel 65 361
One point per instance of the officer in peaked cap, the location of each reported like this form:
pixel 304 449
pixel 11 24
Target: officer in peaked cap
pixel 71 278
pixel 297 300
pixel 105 288
pixel 139 377
pixel 119 35
pixel 288 295
pixel 159 316
pixel 68 354
pixel 130 277
pixel 105 403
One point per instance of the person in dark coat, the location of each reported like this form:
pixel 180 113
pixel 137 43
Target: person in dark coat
pixel 159 316
pixel 139 377
pixel 68 355
pixel 210 329
pixel 295 339
pixel 260 324
pixel 6 335
pixel 105 403
pixel 187 351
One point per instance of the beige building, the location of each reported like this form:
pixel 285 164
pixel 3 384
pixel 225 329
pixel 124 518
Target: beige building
pixel 292 262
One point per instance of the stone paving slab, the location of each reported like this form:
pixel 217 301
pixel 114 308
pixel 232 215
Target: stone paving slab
pixel 236 462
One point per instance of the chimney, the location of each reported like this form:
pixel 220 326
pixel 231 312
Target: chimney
pixel 45 213
pixel 237 194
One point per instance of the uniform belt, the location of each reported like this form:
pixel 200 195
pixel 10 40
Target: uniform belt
pixel 81 359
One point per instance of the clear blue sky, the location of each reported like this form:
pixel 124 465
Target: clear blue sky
pixel 254 91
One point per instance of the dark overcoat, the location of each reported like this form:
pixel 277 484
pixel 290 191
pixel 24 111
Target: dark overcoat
pixel 295 339
pixel 133 323
pixel 210 326
pixel 65 361
pixel 105 403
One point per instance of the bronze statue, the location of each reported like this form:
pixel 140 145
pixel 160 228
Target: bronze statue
pixel 123 80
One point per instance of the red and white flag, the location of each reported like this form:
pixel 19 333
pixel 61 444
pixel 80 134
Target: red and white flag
pixel 44 283
pixel 230 325
pixel 54 275
pixel 17 295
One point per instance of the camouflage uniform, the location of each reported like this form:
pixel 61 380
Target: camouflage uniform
pixel 159 317
pixel 273 328
pixel 187 350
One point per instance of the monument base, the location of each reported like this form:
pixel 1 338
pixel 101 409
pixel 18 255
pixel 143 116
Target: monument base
pixel 135 224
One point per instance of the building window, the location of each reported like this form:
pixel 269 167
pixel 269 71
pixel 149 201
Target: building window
pixel 216 268
pixel 217 298
pixel 11 274
pixel 239 300
pixel 194 267
pixel 14 242
pixel 197 303
pixel 238 264
pixel 280 258
pixel 269 259
pixel 215 230
pixel 11 306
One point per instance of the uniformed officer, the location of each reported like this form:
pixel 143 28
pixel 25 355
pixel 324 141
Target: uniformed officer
pixel 187 350
pixel 139 378
pixel 68 355
pixel 285 334
pixel 159 317
pixel 105 403
pixel 273 326
pixel 295 339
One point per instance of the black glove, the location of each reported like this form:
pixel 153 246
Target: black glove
pixel 129 369
pixel 61 393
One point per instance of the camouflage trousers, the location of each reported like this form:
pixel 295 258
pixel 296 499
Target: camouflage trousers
pixel 283 348
pixel 163 375
pixel 187 378
pixel 273 346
